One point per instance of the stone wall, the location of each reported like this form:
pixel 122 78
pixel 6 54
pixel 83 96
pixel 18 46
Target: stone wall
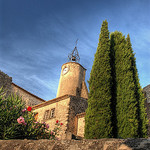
pixel 84 90
pixel 148 116
pixel 77 105
pixel 99 144
pixel 146 91
pixel 9 87
pixel 72 81
pixel 5 82
pixel 80 124
pixel 30 99
pixel 61 106
pixel 66 108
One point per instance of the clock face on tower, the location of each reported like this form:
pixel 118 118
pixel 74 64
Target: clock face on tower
pixel 65 70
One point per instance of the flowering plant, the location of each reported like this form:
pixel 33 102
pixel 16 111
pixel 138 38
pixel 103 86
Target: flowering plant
pixel 21 120
pixel 10 108
pixel 31 129
pixel 55 132
pixel 18 122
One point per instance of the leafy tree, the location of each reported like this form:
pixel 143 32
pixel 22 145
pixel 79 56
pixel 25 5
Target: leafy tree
pixel 98 120
pixel 143 122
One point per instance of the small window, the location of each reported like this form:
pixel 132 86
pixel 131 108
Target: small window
pixel 46 115
pixel 49 114
pixel 52 114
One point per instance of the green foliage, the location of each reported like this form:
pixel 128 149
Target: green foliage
pixel 18 122
pixel 10 109
pixel 143 121
pixel 126 102
pixel 98 120
pixel 142 116
pixel 116 102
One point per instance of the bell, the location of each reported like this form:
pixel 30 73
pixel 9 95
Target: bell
pixel 73 58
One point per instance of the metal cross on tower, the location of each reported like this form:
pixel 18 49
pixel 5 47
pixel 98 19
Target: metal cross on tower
pixel 74 56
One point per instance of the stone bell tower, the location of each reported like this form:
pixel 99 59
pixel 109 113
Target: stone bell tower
pixel 72 78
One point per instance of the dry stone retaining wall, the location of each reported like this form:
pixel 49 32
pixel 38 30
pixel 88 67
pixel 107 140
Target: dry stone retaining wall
pixel 100 144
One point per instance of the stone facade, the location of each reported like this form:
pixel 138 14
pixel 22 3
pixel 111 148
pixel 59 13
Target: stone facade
pixel 5 82
pixel 61 106
pixel 29 98
pixel 72 80
pixel 84 90
pixel 146 91
pixel 65 110
pixel 77 106
pixel 10 87
pixel 80 124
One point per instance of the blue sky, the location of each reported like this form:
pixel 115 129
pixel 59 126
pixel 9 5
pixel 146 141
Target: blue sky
pixel 36 37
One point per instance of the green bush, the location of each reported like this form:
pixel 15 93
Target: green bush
pixel 10 108
pixel 18 122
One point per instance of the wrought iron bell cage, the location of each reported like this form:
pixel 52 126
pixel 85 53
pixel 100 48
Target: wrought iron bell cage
pixel 74 56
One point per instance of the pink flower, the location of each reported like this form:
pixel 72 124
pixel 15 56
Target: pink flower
pixel 61 124
pixel 47 126
pixel 43 123
pixel 52 132
pixel 21 120
pixel 24 110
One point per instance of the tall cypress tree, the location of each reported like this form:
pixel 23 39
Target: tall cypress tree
pixel 98 117
pixel 126 103
pixel 114 94
pixel 139 94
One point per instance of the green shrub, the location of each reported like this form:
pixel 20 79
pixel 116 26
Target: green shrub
pixel 18 122
pixel 10 108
